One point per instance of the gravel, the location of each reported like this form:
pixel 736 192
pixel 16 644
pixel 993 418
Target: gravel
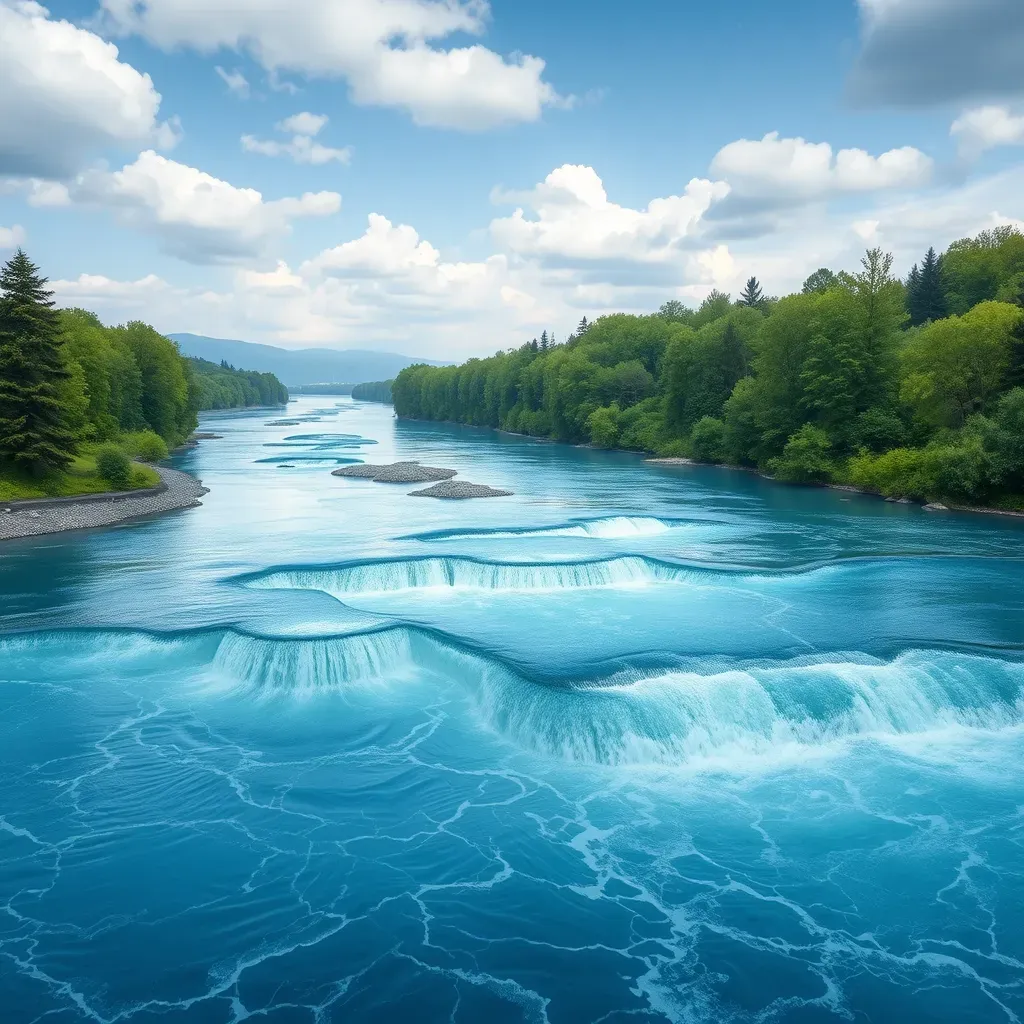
pixel 397 473
pixel 460 489
pixel 28 519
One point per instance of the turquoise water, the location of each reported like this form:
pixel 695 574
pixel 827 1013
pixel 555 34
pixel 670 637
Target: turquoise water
pixel 637 744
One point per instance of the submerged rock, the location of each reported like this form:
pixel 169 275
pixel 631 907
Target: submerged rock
pixel 397 473
pixel 460 489
pixel 936 506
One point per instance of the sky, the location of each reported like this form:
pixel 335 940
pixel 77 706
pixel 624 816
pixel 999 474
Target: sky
pixel 447 178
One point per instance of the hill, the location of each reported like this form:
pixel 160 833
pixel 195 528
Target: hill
pixel 298 366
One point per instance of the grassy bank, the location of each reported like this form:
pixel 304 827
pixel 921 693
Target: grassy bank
pixel 81 477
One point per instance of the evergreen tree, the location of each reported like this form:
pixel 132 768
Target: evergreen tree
pixel 926 297
pixel 544 341
pixel 582 329
pixel 734 356
pixel 752 295
pixel 533 345
pixel 35 433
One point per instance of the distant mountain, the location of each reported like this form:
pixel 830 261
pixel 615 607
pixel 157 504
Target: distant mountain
pixel 296 367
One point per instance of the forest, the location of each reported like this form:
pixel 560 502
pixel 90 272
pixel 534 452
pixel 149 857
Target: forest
pixel 907 388
pixel 82 405
pixel 373 391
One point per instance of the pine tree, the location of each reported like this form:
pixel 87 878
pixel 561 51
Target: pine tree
pixel 1015 373
pixel 926 297
pixel 34 431
pixel 752 295
pixel 582 329
pixel 544 341
pixel 533 345
pixel 734 356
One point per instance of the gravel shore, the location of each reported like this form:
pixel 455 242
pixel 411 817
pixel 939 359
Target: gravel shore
pixel 28 519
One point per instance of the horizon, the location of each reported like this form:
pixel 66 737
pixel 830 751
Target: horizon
pixel 247 175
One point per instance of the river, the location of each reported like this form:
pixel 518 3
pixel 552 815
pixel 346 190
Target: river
pixel 638 744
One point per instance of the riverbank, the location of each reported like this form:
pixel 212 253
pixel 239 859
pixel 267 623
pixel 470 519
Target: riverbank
pixel 176 490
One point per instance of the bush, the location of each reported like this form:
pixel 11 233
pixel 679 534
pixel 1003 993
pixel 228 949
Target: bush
pixel 708 440
pixel 115 466
pixel 806 457
pixel 896 474
pixel 146 446
pixel 604 427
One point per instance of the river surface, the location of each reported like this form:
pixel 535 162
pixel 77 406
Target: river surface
pixel 638 744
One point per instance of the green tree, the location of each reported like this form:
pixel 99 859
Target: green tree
pixel 806 458
pixel 954 367
pixel 820 281
pixel 713 308
pixel 926 296
pixel 36 428
pixel 675 312
pixel 708 440
pixel 752 295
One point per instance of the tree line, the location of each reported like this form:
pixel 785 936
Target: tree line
pixel 911 388
pixel 68 383
pixel 373 391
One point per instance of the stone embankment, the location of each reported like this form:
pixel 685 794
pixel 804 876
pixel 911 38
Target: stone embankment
pixel 55 515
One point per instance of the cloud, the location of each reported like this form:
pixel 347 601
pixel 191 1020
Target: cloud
pixel 301 147
pixel 985 128
pixel 381 48
pixel 926 52
pixel 237 83
pixel 573 220
pixel 304 123
pixel 65 96
pixel 789 169
pixel 197 217
pixel 11 238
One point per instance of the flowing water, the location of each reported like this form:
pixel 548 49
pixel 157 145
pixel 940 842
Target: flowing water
pixel 640 743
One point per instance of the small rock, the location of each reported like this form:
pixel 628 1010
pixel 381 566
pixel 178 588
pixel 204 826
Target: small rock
pixel 936 506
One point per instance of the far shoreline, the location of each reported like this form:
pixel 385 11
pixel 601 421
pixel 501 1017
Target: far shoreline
pixel 651 459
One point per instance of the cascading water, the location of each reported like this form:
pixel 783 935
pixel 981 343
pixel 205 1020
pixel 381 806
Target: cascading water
pixel 563 745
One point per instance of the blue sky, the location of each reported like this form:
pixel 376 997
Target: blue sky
pixel 638 155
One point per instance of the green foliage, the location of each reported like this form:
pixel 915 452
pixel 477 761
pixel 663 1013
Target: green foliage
pixel 41 401
pixel 806 457
pixel 926 295
pixel 708 440
pixel 989 267
pixel 603 424
pixel 145 445
pixel 114 465
pixel 375 391
pixel 825 385
pixel 954 367
pixel 715 306
pixel 752 295
pixel 221 386
pixel 820 281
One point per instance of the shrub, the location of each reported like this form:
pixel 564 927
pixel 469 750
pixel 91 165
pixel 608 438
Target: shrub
pixel 604 428
pixel 115 466
pixel 896 474
pixel 146 446
pixel 708 440
pixel 806 457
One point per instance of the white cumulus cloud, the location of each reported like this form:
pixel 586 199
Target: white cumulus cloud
pixel 197 217
pixel 986 128
pixel 798 169
pixel 381 48
pixel 65 95
pixel 573 219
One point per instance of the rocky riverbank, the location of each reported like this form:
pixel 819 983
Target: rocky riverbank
pixel 32 518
